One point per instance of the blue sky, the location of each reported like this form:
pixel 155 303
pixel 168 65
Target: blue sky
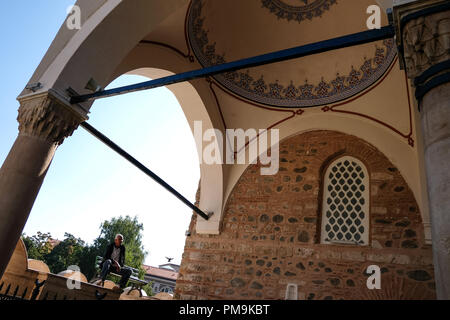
pixel 87 183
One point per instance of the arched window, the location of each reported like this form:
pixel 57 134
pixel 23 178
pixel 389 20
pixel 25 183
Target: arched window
pixel 167 290
pixel 345 208
pixel 292 291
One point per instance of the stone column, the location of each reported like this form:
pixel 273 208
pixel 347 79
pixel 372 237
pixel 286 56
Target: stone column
pixel 423 35
pixel 44 123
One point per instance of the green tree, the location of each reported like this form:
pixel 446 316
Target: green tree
pixel 131 229
pixel 74 251
pixel 67 253
pixel 148 289
pixel 38 246
pixel 87 261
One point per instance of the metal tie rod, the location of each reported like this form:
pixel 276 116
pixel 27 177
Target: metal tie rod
pixel 287 54
pixel 141 167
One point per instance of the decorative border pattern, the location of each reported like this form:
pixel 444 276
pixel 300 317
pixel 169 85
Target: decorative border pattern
pixel 334 108
pixel 408 136
pixel 292 95
pixel 291 113
pixel 298 13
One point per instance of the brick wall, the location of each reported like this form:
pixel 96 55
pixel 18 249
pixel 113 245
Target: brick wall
pixel 270 234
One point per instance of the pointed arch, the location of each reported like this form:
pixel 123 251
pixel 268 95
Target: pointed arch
pixel 345 202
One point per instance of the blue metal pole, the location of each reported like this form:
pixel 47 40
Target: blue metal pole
pixel 287 54
pixel 141 167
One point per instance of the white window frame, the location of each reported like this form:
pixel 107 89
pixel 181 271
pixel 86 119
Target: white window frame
pixel 291 291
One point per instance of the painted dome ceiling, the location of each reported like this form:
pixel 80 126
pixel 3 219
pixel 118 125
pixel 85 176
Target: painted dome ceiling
pixel 224 31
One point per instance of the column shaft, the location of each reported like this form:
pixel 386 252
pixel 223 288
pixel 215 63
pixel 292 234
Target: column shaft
pixel 424 41
pixel 21 177
pixel 436 127
pixel 44 123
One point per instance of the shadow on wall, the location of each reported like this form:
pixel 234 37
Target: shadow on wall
pixel 271 233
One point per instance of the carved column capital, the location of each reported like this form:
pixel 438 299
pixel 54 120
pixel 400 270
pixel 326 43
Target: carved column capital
pixel 423 37
pixel 48 118
pixel 426 42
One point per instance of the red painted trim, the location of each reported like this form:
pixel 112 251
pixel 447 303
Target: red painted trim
pixel 407 136
pixel 251 103
pixel 217 102
pixel 186 37
pixel 292 113
pixel 410 139
pixel 185 55
pixel 300 111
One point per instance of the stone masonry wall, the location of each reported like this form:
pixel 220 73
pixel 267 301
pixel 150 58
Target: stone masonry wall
pixel 270 234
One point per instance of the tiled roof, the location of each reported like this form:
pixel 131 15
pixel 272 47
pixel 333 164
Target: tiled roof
pixel 161 273
pixel 53 242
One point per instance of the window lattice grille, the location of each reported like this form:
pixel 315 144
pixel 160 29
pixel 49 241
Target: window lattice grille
pixel 345 215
